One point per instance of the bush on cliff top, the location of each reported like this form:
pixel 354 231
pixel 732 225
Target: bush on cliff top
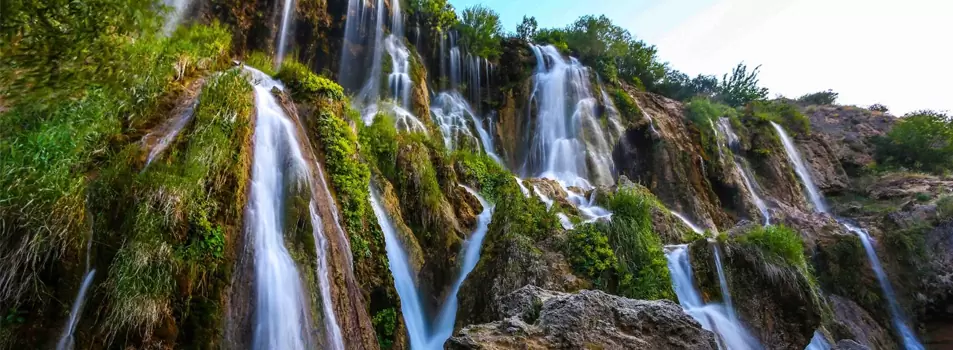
pixel 919 141
pixel 778 242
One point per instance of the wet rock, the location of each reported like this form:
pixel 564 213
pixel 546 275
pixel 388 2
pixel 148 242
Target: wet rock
pixel 824 165
pixel 662 156
pixel 588 319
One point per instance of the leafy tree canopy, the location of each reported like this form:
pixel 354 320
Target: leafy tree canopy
pixel 481 31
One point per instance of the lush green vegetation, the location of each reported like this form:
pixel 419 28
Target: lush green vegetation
pixel 385 324
pixel 184 208
pixel 379 143
pixel 261 61
pixel 623 256
pixel 526 30
pixel 307 86
pixel 483 170
pixel 920 141
pixel 819 98
pixel 759 113
pixel 68 114
pixel 627 107
pixel 437 15
pixel 480 31
pixel 778 242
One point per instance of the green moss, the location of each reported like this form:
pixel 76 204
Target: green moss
pixel 841 267
pixel 627 107
pixel 590 254
pixel 307 86
pixel 349 175
pixel 379 144
pixel 484 171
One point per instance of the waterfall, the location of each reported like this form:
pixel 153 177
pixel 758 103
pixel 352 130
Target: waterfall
pixel 281 302
pixel 459 122
pixel 688 223
pixel 366 100
pixel 567 132
pixel 818 342
pixel 453 116
pixel 896 313
pixel 171 129
pixel 411 307
pixel 422 337
pixel 723 284
pixel 471 256
pixel 399 79
pixel 287 14
pixel 898 319
pixel 713 317
pixel 522 187
pixel 66 340
pixel 795 158
pixel 741 164
pixel 177 10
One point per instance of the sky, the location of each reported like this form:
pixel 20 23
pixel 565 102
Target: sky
pixel 896 53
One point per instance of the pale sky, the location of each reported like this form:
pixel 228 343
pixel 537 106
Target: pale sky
pixel 898 53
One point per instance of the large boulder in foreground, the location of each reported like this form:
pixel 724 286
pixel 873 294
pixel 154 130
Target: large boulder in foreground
pixel 541 319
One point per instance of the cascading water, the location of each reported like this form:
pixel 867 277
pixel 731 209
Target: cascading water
pixel 453 116
pixel 399 78
pixel 66 340
pixel 898 319
pixel 751 184
pixel 177 11
pixel 422 337
pixel 170 130
pixel 471 256
pixel 818 342
pixel 565 137
pixel 723 284
pixel 909 338
pixel 713 317
pixel 287 14
pixel 367 99
pixel 281 305
pixel 523 188
pixel 415 317
pixel 795 158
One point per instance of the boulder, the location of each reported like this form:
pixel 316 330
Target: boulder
pixel 854 323
pixel 540 319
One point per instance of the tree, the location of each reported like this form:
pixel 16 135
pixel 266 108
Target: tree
pixel 921 140
pixel 742 87
pixel 438 15
pixel 819 98
pixel 480 31
pixel 527 29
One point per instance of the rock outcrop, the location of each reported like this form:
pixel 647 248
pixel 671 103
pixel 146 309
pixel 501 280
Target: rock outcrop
pixel 539 319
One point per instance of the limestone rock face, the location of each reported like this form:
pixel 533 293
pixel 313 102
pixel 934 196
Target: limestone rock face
pixel 826 170
pixel 662 156
pixel 540 319
pixel 848 131
pixel 907 186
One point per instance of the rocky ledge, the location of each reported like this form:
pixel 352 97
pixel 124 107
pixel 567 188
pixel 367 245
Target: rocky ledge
pixel 535 318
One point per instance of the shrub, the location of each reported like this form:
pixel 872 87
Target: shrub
pixel 878 108
pixel 779 112
pixel 527 29
pixel 590 253
pixel 307 86
pixel 920 141
pixel 703 112
pixel 438 15
pixel 944 208
pixel 385 323
pixel 819 98
pixel 777 241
